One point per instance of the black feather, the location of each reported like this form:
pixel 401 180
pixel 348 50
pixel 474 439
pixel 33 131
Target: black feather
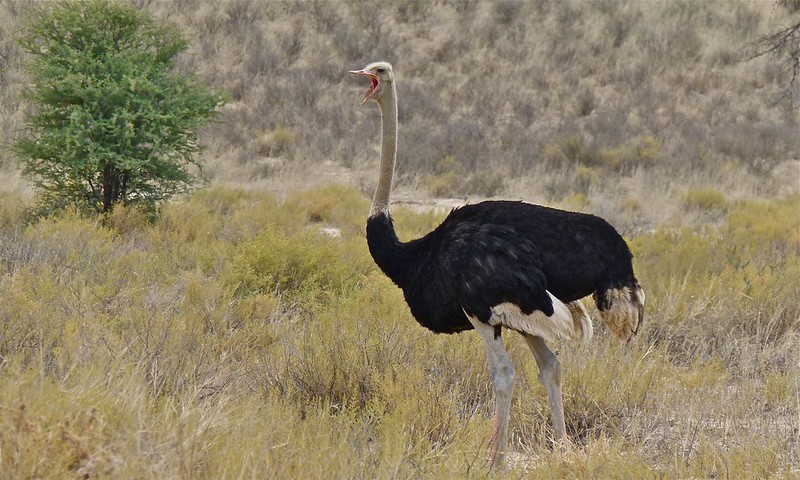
pixel 495 252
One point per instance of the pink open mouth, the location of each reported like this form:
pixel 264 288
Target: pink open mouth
pixel 373 88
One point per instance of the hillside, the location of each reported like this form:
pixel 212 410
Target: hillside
pixel 612 107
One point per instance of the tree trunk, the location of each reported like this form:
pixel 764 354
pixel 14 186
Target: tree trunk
pixel 110 187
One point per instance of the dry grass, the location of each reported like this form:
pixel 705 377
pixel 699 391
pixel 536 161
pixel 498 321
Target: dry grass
pixel 231 340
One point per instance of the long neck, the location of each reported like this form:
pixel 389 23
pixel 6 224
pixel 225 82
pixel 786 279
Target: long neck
pixel 380 202
pixel 389 253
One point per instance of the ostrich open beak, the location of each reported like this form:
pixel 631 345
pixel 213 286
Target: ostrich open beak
pixel 375 83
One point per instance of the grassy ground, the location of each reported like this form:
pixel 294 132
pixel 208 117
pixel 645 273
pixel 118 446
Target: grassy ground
pixel 232 340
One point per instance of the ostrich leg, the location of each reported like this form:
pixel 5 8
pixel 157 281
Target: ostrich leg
pixel 503 380
pixel 550 376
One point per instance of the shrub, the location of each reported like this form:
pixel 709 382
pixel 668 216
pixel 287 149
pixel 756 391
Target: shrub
pixel 302 267
pixel 484 184
pixel 577 201
pixel 571 150
pixel 586 177
pixel 443 184
pixel 642 152
pixel 705 199
pixel 340 206
pixel 277 142
pixel 114 122
pixel 765 230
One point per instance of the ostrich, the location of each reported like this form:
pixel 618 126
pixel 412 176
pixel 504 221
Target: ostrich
pixel 500 264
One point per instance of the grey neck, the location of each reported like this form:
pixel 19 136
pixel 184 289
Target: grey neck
pixel 380 202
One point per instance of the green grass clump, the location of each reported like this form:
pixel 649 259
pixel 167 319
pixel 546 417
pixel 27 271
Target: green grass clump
pixel 443 184
pixel 335 205
pixel 705 199
pixel 297 266
pixel 624 159
pixel 724 284
pixel 768 231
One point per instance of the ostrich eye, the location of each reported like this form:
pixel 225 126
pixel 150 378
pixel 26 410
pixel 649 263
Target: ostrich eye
pixel 380 70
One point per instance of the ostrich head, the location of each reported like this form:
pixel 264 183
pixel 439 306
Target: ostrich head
pixel 381 76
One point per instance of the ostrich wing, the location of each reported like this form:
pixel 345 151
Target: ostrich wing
pixel 496 267
pixel 471 264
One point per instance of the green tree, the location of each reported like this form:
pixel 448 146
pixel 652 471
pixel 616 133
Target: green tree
pixel 113 119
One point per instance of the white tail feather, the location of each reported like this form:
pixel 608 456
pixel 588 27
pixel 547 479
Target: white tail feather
pixel 581 321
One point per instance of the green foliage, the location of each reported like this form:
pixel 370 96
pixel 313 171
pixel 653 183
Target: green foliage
pixel 113 122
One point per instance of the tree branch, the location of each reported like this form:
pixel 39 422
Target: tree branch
pixel 785 45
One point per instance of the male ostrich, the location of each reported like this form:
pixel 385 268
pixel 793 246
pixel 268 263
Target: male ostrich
pixel 501 264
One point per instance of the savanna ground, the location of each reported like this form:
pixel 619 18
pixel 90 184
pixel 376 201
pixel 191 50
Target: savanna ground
pixel 229 339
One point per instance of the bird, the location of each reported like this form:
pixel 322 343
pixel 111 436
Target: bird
pixel 502 264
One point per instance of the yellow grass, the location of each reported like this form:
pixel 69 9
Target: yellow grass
pixel 231 340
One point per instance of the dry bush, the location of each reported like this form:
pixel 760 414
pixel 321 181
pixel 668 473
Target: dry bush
pixel 336 205
pixel 555 54
pixel 705 199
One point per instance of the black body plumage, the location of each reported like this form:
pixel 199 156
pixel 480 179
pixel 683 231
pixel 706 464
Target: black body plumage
pixel 494 252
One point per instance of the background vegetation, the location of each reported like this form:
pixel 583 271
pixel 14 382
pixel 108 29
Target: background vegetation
pixel 595 105
pixel 230 339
